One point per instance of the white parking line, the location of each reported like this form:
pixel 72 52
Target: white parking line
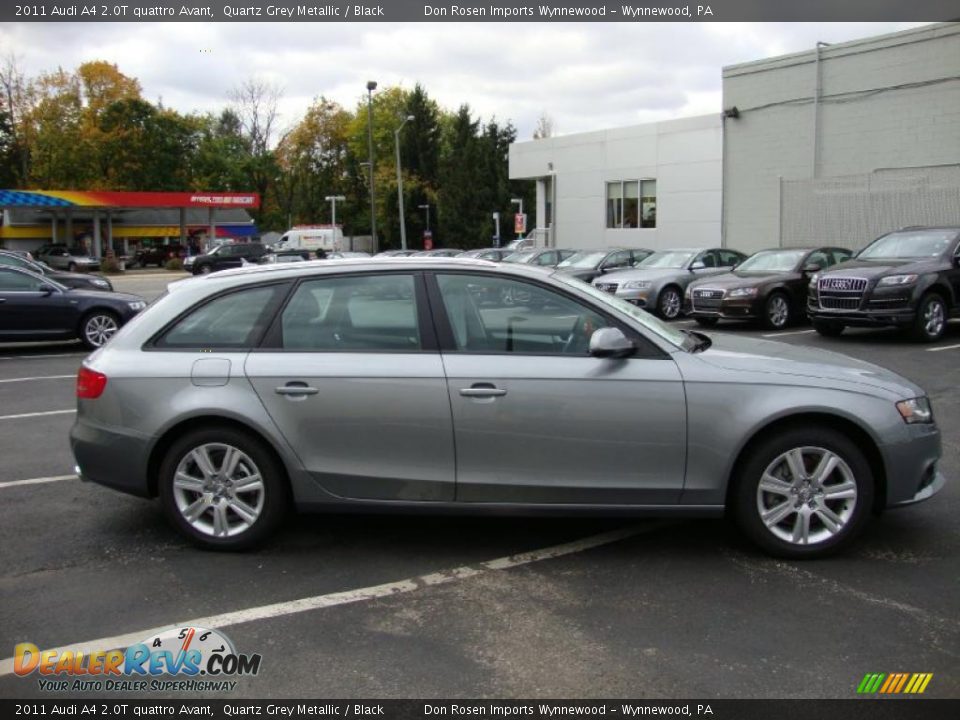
pixel 944 347
pixel 374 592
pixel 35 357
pixel 39 377
pixel 37 481
pixel 789 332
pixel 36 414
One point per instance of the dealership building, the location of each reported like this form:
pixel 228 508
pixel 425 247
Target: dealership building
pixel 834 145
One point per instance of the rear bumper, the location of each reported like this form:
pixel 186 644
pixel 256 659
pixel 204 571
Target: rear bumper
pixel 111 457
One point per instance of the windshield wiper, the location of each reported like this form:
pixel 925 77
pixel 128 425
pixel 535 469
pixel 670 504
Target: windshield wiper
pixel 700 341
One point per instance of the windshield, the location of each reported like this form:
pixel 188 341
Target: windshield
pixel 667 259
pixel 909 244
pixel 772 261
pixel 667 332
pixel 584 260
pixel 524 256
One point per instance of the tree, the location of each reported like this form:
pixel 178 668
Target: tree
pixel 461 203
pixel 15 104
pixel 255 103
pixel 219 161
pixel 545 127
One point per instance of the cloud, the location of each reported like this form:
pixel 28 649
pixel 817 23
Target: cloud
pixel 586 76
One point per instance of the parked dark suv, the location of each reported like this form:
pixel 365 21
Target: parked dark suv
pixel 228 255
pixel 909 278
pixel 158 254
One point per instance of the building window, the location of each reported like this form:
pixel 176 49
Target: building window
pixel 632 204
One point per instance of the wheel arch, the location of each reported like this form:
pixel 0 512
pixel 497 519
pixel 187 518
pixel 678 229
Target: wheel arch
pixel 849 428
pixel 203 422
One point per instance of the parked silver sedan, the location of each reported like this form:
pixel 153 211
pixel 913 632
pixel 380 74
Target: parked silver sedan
pixel 384 384
pixel 657 283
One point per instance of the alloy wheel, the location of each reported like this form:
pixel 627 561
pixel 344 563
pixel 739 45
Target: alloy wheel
pixel 807 495
pixel 934 318
pixel 98 329
pixel 670 304
pixel 218 490
pixel 778 311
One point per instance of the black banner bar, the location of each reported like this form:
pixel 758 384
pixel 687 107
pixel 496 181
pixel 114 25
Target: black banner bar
pixel 478 11
pixel 858 709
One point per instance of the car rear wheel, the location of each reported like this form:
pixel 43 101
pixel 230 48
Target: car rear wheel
pixel 205 269
pixel 931 320
pixel 669 303
pixel 776 311
pixel 707 321
pixel 828 328
pixel 72 267
pixel 222 489
pixel 804 493
pixel 98 327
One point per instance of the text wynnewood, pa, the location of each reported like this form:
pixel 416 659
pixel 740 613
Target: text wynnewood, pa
pixel 550 12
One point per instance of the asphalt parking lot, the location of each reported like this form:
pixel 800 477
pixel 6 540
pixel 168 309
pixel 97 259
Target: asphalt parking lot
pixel 580 608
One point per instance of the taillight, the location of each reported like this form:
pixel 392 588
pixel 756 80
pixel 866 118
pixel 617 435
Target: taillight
pixel 90 384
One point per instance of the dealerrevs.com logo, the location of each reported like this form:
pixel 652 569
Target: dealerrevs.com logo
pixel 199 658
pixel 894 683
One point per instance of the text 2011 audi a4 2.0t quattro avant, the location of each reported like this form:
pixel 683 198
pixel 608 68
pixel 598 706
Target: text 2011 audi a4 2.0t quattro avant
pixel 400 384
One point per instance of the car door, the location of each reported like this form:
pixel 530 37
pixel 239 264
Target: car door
pixel 351 375
pixel 953 276
pixel 536 418
pixel 32 307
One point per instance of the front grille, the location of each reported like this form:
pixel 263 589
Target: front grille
pixel 706 299
pixel 841 292
pixel 607 287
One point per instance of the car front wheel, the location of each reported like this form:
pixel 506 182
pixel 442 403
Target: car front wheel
pixel 804 493
pixel 670 303
pixel 776 312
pixel 97 328
pixel 222 489
pixel 931 321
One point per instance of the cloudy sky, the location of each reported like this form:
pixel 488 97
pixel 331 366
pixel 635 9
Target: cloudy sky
pixel 585 76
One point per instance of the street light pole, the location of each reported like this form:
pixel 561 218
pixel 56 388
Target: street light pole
pixel 396 139
pixel 333 199
pixel 371 86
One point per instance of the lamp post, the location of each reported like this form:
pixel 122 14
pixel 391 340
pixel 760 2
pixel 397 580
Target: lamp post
pixel 371 86
pixel 427 208
pixel 396 139
pixel 333 200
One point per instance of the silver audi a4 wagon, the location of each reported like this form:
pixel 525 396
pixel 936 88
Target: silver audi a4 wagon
pixel 409 385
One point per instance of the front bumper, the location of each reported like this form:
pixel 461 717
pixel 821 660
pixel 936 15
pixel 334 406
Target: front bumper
pixel 111 457
pixel 876 306
pixel 748 308
pixel 644 298
pixel 912 466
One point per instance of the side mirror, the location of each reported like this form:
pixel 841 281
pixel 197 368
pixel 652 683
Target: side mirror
pixel 610 342
pixel 698 265
pixel 812 268
pixel 46 290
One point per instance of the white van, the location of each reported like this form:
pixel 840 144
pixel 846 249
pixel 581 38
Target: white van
pixel 312 238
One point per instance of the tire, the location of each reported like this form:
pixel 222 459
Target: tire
pixel 827 328
pixel 806 516
pixel 776 311
pixel 931 320
pixel 670 303
pixel 248 515
pixel 71 267
pixel 205 269
pixel 706 322
pixel 97 328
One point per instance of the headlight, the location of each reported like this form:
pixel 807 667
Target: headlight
pixel 742 292
pixel 813 279
pixel 101 283
pixel 689 292
pixel 897 280
pixel 137 305
pixel 636 285
pixel 916 410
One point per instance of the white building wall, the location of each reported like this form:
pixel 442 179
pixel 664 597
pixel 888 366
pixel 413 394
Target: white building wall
pixel 886 102
pixel 684 156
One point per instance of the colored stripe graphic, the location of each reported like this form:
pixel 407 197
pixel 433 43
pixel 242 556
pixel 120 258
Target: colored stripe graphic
pixel 894 683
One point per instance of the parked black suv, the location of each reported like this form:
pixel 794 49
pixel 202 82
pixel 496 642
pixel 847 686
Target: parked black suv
pixel 158 254
pixel 228 255
pixel 909 278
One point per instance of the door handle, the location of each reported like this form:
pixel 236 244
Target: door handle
pixel 482 390
pixel 296 389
